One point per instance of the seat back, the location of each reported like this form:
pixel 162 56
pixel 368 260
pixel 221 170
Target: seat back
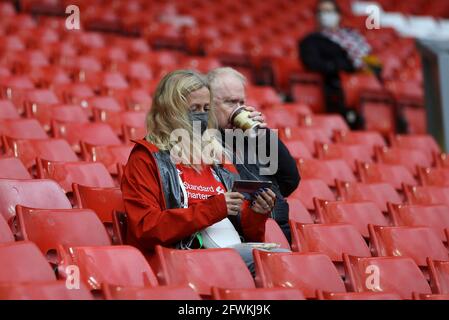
pixel 358 296
pixel 305 271
pixel 439 276
pixel 13 168
pixel 274 234
pixel 23 262
pixel 426 195
pixel 119 265
pixel 110 156
pixel 257 294
pixel 5 232
pixel 437 177
pixel 45 194
pixel 326 170
pixel 112 292
pixel 50 290
pixel 396 175
pixel 22 129
pixel 298 212
pixel 193 268
pixel 312 188
pixel 400 275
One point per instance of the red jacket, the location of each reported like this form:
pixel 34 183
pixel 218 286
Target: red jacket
pixel 149 221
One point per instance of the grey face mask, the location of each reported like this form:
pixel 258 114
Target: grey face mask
pixel 202 117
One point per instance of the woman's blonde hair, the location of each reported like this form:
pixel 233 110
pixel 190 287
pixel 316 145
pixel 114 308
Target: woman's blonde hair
pixel 170 111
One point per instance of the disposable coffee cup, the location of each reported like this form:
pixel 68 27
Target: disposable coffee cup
pixel 240 118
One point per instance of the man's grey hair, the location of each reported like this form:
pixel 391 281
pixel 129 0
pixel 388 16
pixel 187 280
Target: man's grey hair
pixel 216 73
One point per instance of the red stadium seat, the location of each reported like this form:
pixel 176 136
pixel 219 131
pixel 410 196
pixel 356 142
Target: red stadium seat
pixel 49 228
pixel 298 212
pixel 192 268
pixel 46 113
pixel 40 96
pixel 75 93
pixel 348 153
pixel 133 133
pixel 400 275
pixel 441 160
pixel 23 262
pixel 358 296
pixel 379 193
pixel 328 123
pixel 298 149
pixel 432 216
pixel 257 294
pixel 112 292
pixel 330 239
pixel 395 175
pixel 274 234
pixel 417 243
pixel 65 173
pixel 119 265
pixel 110 156
pixel 312 188
pixel 49 290
pixel 8 110
pixel 104 103
pixel 101 200
pixel 326 170
pixel 368 138
pixel 264 95
pixel 379 117
pixel 359 214
pixel 426 195
pixel 305 271
pixel 422 142
pixel 93 133
pixel 407 157
pixel 433 177
pixel 13 168
pixel 309 94
pixel 22 129
pixel 45 194
pixel 439 276
pixel 309 136
pixel 5 232
pixel 27 150
pixel 117 120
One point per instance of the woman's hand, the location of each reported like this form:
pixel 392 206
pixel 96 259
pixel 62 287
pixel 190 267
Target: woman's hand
pixel 264 201
pixel 234 201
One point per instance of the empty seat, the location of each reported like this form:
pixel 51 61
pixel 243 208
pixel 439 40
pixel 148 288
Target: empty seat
pixel 326 170
pixel 367 138
pixel 433 177
pixel 396 175
pixel 49 290
pixel 8 110
pixel 90 174
pixel 133 133
pixel 192 268
pixel 297 212
pixel 93 133
pixel 110 156
pixel 433 216
pixel 5 232
pixel 23 262
pixel 417 243
pixel 358 296
pixel 274 234
pixel 104 103
pixel 422 142
pixel 117 120
pixel 359 214
pixel 112 292
pixel 28 150
pixel 65 113
pixel 330 239
pixel 307 272
pixel 298 149
pixel 22 129
pixel 49 228
pixel 379 193
pixel 257 294
pixel 119 265
pixel 407 157
pixel 13 168
pixel 400 275
pixel 328 123
pixel 45 194
pixel 349 153
pixel 101 200
pixel 309 136
pixel 312 188
pixel 417 296
pixel 439 276
pixel 426 195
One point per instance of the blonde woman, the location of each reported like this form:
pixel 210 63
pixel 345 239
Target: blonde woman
pixel 169 198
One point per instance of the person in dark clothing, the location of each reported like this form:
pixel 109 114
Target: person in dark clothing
pixel 228 91
pixel 331 50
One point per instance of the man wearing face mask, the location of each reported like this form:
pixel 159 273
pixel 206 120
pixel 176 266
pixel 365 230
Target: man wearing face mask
pixel 331 50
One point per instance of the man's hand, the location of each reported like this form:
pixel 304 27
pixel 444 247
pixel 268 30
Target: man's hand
pixel 257 116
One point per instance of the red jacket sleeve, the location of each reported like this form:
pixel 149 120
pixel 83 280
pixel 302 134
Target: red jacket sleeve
pixel 253 224
pixel 149 223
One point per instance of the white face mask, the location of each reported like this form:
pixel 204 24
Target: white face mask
pixel 329 19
